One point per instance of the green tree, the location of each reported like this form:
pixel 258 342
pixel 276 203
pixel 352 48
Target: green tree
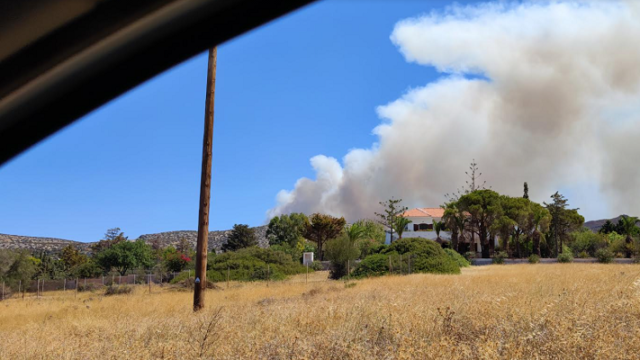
pixel 563 220
pixel 175 260
pixel 16 267
pixel 629 228
pixel 518 210
pixel 322 228
pixel 342 251
pixel 287 229
pixel 607 227
pixel 354 232
pixel 111 237
pixel 540 220
pixel 72 257
pixel 125 255
pixel 438 226
pixel 242 236
pixel 392 210
pixel 484 208
pixel 400 225
pixel 455 220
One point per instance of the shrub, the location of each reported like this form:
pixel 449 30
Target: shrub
pixel 253 263
pixel 88 287
pixel 499 257
pixel 118 290
pixel 534 259
pixel 604 255
pixel 426 257
pixel 316 266
pixel 586 241
pixel 372 265
pixel 462 262
pixel 583 255
pixel 565 257
pixel 469 255
pixel 341 252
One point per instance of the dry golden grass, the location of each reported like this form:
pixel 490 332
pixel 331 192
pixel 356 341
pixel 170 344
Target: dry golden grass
pixel 561 311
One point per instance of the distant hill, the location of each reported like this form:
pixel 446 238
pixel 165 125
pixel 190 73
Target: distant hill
pixel 595 225
pixel 52 245
pixel 38 244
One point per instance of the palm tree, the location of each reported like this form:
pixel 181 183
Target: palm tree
pixel 629 227
pixel 541 221
pixel 355 232
pixel 455 221
pixel 438 226
pixel 400 224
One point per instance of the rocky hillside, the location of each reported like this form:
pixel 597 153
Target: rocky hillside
pixel 216 238
pixel 38 244
pixel 52 245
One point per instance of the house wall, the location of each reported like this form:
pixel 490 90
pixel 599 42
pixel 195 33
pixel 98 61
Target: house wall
pixel 431 235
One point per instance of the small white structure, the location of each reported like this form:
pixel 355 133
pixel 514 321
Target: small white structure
pixel 307 258
pixel 422 224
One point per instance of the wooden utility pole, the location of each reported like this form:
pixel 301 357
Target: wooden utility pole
pixel 200 284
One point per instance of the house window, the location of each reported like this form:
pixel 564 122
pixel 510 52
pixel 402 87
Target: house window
pixel 424 227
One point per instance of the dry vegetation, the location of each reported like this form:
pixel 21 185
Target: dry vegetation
pixel 585 311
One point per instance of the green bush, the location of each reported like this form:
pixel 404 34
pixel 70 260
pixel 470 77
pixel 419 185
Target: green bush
pixel 372 265
pixel 469 255
pixel 341 252
pixel 316 266
pixel 534 259
pixel 604 255
pixel 462 262
pixel 426 256
pixel 118 290
pixel 565 257
pixel 583 255
pixel 251 264
pixel 586 241
pixel 499 257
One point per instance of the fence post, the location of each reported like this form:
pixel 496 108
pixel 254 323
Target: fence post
pixel 119 279
pixel 112 279
pixel 38 288
pixel 85 283
pixel 102 280
pixel 307 280
pixel 3 291
pixel 77 286
pixel 19 287
pixel 134 279
pixel 268 275
pixel 348 269
pixel 390 267
pixel 149 281
pixel 64 286
pixel 228 269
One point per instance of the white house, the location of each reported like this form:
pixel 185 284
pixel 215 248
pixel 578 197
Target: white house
pixel 422 226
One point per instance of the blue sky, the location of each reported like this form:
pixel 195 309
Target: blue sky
pixel 340 105
pixel 303 85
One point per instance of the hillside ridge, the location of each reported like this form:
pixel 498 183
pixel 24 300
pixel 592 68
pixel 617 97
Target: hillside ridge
pixel 36 244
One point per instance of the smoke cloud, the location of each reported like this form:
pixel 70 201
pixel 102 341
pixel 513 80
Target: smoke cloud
pixel 547 93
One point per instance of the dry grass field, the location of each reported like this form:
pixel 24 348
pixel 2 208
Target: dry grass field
pixel 560 311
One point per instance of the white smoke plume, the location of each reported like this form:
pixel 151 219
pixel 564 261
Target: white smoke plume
pixel 556 104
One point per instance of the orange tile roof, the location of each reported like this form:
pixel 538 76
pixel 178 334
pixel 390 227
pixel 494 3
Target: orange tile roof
pixel 424 212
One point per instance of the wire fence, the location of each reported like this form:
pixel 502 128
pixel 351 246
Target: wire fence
pixel 396 265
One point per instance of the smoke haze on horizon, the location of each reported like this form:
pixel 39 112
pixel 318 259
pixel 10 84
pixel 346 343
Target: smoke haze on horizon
pixel 540 92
